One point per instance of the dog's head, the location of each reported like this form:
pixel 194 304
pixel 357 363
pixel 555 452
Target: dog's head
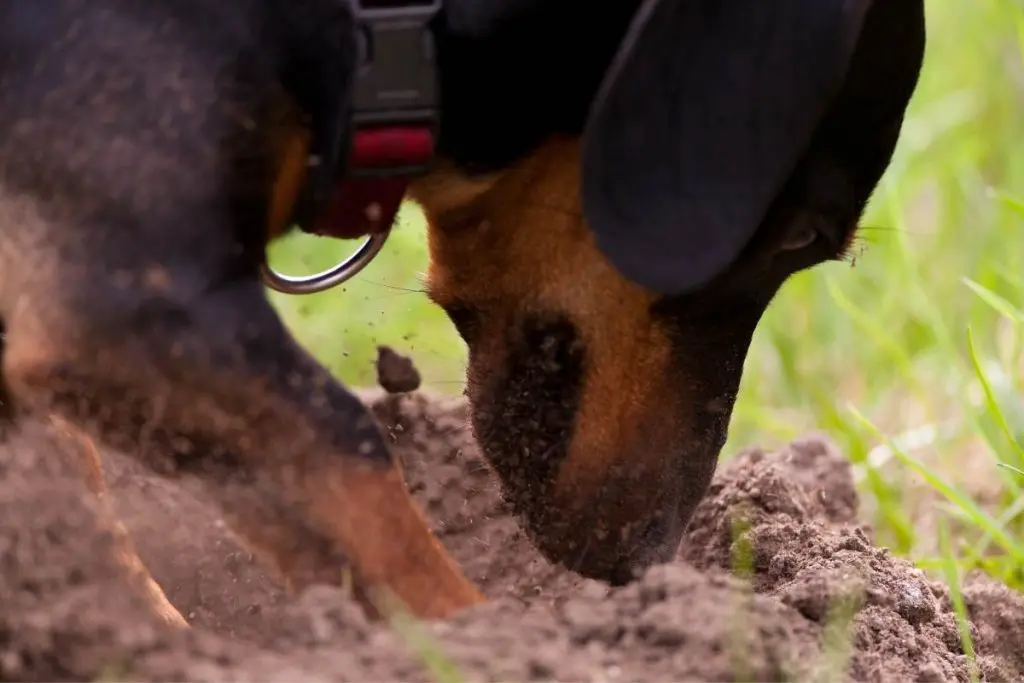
pixel 623 188
pixel 608 282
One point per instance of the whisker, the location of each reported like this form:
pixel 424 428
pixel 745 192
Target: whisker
pixel 860 238
pixel 889 228
pixel 393 295
pixel 409 290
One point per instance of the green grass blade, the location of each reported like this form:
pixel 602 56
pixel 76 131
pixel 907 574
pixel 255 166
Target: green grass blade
pixel 1012 203
pixel 1014 470
pixel 979 517
pixel 875 330
pixel 433 658
pixel 952 573
pixel 1006 517
pixel 997 302
pixel 990 399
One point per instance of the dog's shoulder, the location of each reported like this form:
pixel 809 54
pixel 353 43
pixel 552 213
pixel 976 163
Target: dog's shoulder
pixel 90 88
pixel 103 44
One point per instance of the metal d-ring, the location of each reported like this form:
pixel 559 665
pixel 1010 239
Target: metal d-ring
pixel 310 284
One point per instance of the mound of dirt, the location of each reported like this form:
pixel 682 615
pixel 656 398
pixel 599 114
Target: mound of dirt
pixel 816 600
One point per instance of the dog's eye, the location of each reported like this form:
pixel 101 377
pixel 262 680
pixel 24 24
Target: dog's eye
pixel 801 238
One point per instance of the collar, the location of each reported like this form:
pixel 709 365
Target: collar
pixel 393 123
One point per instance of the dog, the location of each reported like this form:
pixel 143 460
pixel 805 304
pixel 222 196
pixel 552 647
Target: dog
pixel 615 194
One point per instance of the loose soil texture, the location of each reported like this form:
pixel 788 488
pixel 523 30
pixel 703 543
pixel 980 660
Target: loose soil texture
pixel 815 600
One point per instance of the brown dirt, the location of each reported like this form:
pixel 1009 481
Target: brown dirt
pixel 67 614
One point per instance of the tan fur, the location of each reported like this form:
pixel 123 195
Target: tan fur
pixel 293 150
pixel 368 511
pixel 399 558
pixel 521 245
pixel 126 555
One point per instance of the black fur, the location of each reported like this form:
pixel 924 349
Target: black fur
pixel 677 183
pixel 138 157
pixel 697 116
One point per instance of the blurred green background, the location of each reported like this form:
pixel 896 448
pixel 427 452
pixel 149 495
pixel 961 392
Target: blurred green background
pixel 910 358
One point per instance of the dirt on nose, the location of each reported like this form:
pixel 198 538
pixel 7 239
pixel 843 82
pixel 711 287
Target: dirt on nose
pixel 805 596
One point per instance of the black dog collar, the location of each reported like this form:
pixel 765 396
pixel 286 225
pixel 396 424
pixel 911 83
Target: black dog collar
pixel 393 125
pixel 394 117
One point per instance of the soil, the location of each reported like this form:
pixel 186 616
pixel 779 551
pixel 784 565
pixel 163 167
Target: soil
pixel 801 595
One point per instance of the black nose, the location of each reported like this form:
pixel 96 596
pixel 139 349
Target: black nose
pixel 650 543
pixel 622 574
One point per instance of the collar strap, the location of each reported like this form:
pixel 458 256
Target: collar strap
pixel 394 118
pixel 393 126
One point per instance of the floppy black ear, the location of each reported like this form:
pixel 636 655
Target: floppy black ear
pixel 700 120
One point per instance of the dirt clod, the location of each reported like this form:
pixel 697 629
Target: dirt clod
pixel 396 373
pixel 775 580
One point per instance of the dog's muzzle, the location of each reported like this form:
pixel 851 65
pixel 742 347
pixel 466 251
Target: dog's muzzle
pixel 394 121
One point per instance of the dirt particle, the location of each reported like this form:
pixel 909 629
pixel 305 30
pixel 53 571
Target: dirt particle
pixel 819 594
pixel 396 373
pixel 914 603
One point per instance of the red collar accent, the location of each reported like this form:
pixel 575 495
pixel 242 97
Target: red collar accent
pixel 393 118
pixel 367 199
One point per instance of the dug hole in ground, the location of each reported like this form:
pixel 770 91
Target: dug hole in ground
pixel 819 600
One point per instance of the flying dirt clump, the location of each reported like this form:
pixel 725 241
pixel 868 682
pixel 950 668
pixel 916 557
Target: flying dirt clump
pixel 775 580
pixel 396 373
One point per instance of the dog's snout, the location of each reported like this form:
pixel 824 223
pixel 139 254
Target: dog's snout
pixel 651 533
pixel 642 544
pixel 631 519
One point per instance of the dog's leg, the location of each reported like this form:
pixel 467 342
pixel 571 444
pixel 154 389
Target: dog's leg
pixel 124 549
pixel 6 409
pixel 213 385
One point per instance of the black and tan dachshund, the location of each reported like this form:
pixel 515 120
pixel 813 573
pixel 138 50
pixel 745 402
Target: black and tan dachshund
pixel 617 191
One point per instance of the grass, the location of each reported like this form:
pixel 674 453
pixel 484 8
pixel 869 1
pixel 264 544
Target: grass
pixel 952 575
pixel 911 357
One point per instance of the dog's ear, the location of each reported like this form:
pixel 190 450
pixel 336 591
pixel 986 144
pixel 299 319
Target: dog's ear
pixel 481 20
pixel 701 119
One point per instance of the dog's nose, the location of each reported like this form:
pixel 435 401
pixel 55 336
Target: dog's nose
pixel 621 556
